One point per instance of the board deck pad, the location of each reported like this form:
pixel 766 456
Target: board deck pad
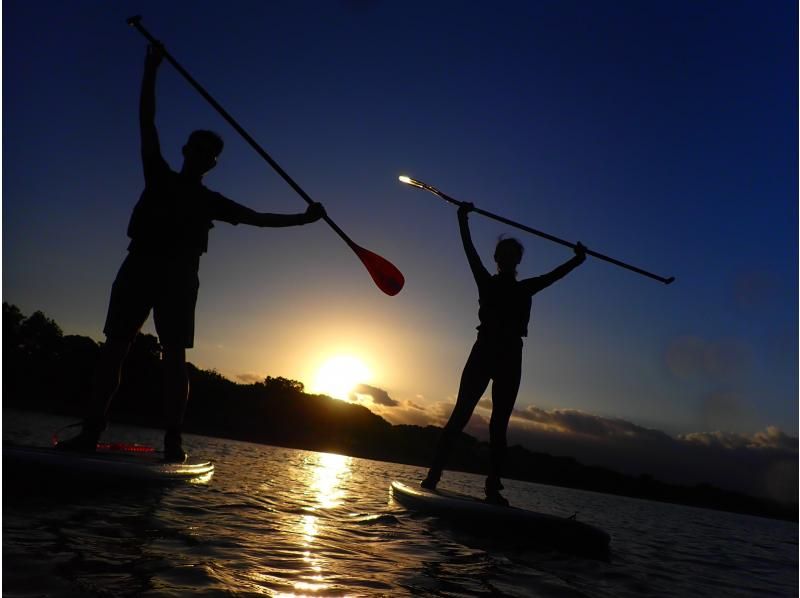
pixel 147 466
pixel 562 532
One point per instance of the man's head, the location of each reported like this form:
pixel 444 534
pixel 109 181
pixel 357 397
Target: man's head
pixel 201 151
pixel 508 255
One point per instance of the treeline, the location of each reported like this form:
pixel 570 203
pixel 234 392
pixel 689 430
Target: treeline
pixel 46 370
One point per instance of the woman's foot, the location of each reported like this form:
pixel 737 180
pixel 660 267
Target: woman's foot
pixel 495 498
pixel 493 487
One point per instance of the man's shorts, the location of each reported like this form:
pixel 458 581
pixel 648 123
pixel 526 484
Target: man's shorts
pixel 166 285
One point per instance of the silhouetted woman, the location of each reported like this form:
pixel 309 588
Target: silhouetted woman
pixel 505 306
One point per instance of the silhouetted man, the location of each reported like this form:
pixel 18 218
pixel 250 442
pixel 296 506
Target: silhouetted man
pixel 505 307
pixel 169 232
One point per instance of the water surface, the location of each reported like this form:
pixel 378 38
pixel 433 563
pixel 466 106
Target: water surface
pixel 283 522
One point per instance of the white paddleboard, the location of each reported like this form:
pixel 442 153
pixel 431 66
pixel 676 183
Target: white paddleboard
pixel 148 467
pixel 562 532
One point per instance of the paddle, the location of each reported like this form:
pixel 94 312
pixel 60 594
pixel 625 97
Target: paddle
pixel 386 276
pixel 435 191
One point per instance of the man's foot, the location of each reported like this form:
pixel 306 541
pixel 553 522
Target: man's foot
pixel 495 498
pixel 84 442
pixel 173 448
pixel 430 481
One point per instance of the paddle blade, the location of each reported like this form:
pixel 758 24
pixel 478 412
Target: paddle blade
pixel 388 278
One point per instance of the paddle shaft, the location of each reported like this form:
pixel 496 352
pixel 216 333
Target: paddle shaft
pixel 137 24
pixel 538 233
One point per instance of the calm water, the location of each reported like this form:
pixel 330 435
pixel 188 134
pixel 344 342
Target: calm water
pixel 281 522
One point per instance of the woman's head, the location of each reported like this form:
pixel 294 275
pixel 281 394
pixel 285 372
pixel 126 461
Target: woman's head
pixel 508 254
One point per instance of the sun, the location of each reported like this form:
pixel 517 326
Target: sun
pixel 339 375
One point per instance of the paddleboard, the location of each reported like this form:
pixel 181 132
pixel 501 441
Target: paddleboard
pixel 139 466
pixel 561 532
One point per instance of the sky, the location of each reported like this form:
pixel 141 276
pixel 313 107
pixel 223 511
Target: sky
pixel 663 134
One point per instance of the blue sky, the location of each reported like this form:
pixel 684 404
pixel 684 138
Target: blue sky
pixel 660 133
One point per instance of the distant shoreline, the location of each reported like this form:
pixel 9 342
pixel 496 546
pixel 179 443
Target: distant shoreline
pixel 49 372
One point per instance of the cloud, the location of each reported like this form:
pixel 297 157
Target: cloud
pixel 572 421
pixel 436 414
pixel 764 463
pixel 442 409
pixel 249 378
pixel 407 413
pixel 771 438
pixel 378 395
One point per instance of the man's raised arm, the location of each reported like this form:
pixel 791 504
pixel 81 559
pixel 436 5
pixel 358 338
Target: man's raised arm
pixel 151 150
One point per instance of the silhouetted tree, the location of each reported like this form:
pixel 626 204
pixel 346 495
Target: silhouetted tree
pixel 12 323
pixel 40 335
pixel 282 385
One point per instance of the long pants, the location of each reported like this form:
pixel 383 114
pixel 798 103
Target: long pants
pixel 500 362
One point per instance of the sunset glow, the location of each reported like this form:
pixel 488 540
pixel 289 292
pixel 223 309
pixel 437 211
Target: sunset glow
pixel 338 375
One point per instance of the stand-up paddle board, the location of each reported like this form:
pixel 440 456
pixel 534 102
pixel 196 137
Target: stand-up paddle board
pixel 141 466
pixel 562 532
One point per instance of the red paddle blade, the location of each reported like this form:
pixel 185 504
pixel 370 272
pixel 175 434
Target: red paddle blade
pixel 388 278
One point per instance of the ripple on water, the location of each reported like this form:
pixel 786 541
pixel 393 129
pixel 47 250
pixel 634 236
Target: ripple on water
pixel 276 521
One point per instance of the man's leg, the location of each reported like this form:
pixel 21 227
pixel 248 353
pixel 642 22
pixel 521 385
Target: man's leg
pixel 128 308
pixel 105 383
pixel 474 380
pixel 173 315
pixel 176 395
pixel 107 376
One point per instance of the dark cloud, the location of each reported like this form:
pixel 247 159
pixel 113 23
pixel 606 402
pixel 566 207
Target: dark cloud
pixel 762 464
pixel 571 421
pixel 378 395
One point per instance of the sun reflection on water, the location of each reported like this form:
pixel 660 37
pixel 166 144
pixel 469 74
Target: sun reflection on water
pixel 326 475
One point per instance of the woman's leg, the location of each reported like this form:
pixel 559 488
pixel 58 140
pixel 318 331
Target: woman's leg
pixel 474 380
